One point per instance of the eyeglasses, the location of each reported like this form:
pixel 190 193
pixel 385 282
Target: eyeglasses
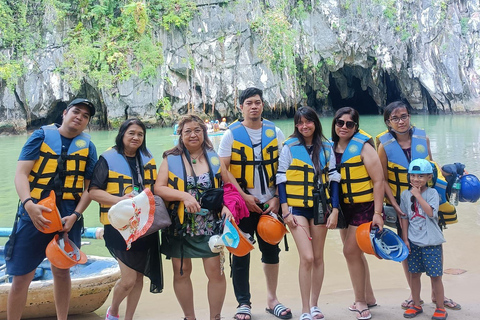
pixel 340 123
pixel 197 132
pixel 403 117
pixel 304 123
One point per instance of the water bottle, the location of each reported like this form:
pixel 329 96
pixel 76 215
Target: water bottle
pixel 455 193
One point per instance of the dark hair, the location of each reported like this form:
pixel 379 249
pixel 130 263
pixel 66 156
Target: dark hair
pixel 180 147
pixel 387 112
pixel 121 132
pixel 310 114
pixel 340 112
pixel 250 92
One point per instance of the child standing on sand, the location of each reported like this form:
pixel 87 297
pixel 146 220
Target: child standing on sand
pixel 423 236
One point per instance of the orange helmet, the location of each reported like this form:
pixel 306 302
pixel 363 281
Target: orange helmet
pixel 244 245
pixel 270 229
pixel 364 236
pixel 63 253
pixel 53 216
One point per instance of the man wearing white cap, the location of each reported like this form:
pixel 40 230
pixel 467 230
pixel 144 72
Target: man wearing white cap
pixel 59 158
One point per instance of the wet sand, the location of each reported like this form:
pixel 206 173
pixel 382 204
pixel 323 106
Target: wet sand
pixel 461 251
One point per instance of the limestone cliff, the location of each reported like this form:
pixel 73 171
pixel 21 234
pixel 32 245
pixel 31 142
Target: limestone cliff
pixel 326 54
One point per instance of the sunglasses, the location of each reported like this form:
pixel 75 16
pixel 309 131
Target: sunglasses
pixel 412 199
pixel 340 123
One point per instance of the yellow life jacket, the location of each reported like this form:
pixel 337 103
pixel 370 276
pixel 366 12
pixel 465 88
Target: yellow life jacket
pixel 357 187
pixel 397 167
pixel 53 170
pixel 301 173
pixel 242 162
pixel 120 179
pixel 177 179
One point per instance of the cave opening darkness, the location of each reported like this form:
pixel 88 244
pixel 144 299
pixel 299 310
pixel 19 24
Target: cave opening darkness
pixel 54 116
pixel 354 95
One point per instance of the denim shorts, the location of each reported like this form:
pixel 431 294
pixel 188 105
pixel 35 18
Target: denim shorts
pixel 426 259
pixel 30 244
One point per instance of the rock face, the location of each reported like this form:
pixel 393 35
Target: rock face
pixel 362 53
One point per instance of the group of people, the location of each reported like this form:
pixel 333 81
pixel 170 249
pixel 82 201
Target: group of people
pixel 272 174
pixel 215 126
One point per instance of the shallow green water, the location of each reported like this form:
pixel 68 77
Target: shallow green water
pixel 452 139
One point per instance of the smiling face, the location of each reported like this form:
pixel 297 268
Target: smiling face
pixel 420 180
pixel 75 119
pixel 192 135
pixel 252 108
pixel 345 127
pixel 399 120
pixel 133 139
pixel 306 128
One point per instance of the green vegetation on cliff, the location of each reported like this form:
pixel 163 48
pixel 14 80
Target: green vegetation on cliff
pixel 111 40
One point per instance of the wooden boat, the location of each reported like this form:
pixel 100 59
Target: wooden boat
pixel 91 285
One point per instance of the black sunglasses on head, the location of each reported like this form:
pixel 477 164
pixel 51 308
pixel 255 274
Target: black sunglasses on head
pixel 340 123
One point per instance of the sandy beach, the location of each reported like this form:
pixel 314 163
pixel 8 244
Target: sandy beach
pixel 461 252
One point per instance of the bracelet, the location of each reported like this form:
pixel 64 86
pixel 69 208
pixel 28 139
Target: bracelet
pixel 379 213
pixel 78 214
pixel 26 200
pixel 275 195
pixel 284 216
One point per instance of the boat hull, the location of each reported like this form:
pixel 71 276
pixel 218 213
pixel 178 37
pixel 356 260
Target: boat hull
pixel 91 286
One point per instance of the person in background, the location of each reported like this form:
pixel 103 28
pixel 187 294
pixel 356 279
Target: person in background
pixel 122 172
pixel 423 236
pixel 187 171
pixel 307 160
pixel 397 147
pixel 223 125
pixel 216 126
pixel 59 158
pixel 249 150
pixel 209 125
pixel 361 200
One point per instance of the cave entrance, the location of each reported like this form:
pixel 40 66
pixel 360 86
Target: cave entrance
pixel 54 116
pixel 345 90
pixel 392 90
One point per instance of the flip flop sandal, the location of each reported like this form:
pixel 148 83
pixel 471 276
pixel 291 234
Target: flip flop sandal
pixel 316 313
pixel 412 312
pixel 278 310
pixel 360 314
pixel 353 307
pixel 408 303
pixel 440 314
pixel 450 304
pixel 305 316
pixel 244 310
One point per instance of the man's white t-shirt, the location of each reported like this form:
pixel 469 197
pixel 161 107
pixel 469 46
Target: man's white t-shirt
pixel 225 150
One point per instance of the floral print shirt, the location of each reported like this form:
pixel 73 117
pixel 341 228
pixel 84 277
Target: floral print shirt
pixel 196 224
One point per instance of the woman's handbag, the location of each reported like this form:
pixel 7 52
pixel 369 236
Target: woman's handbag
pixel 212 199
pixel 321 208
pixel 161 218
pixel 390 216
pixel 341 222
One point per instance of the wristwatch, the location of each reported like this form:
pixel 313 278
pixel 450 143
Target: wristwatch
pixel 78 214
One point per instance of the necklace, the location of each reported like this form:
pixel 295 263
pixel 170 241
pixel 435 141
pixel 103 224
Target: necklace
pixel 194 159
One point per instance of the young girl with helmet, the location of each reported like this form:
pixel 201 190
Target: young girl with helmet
pixel 423 236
